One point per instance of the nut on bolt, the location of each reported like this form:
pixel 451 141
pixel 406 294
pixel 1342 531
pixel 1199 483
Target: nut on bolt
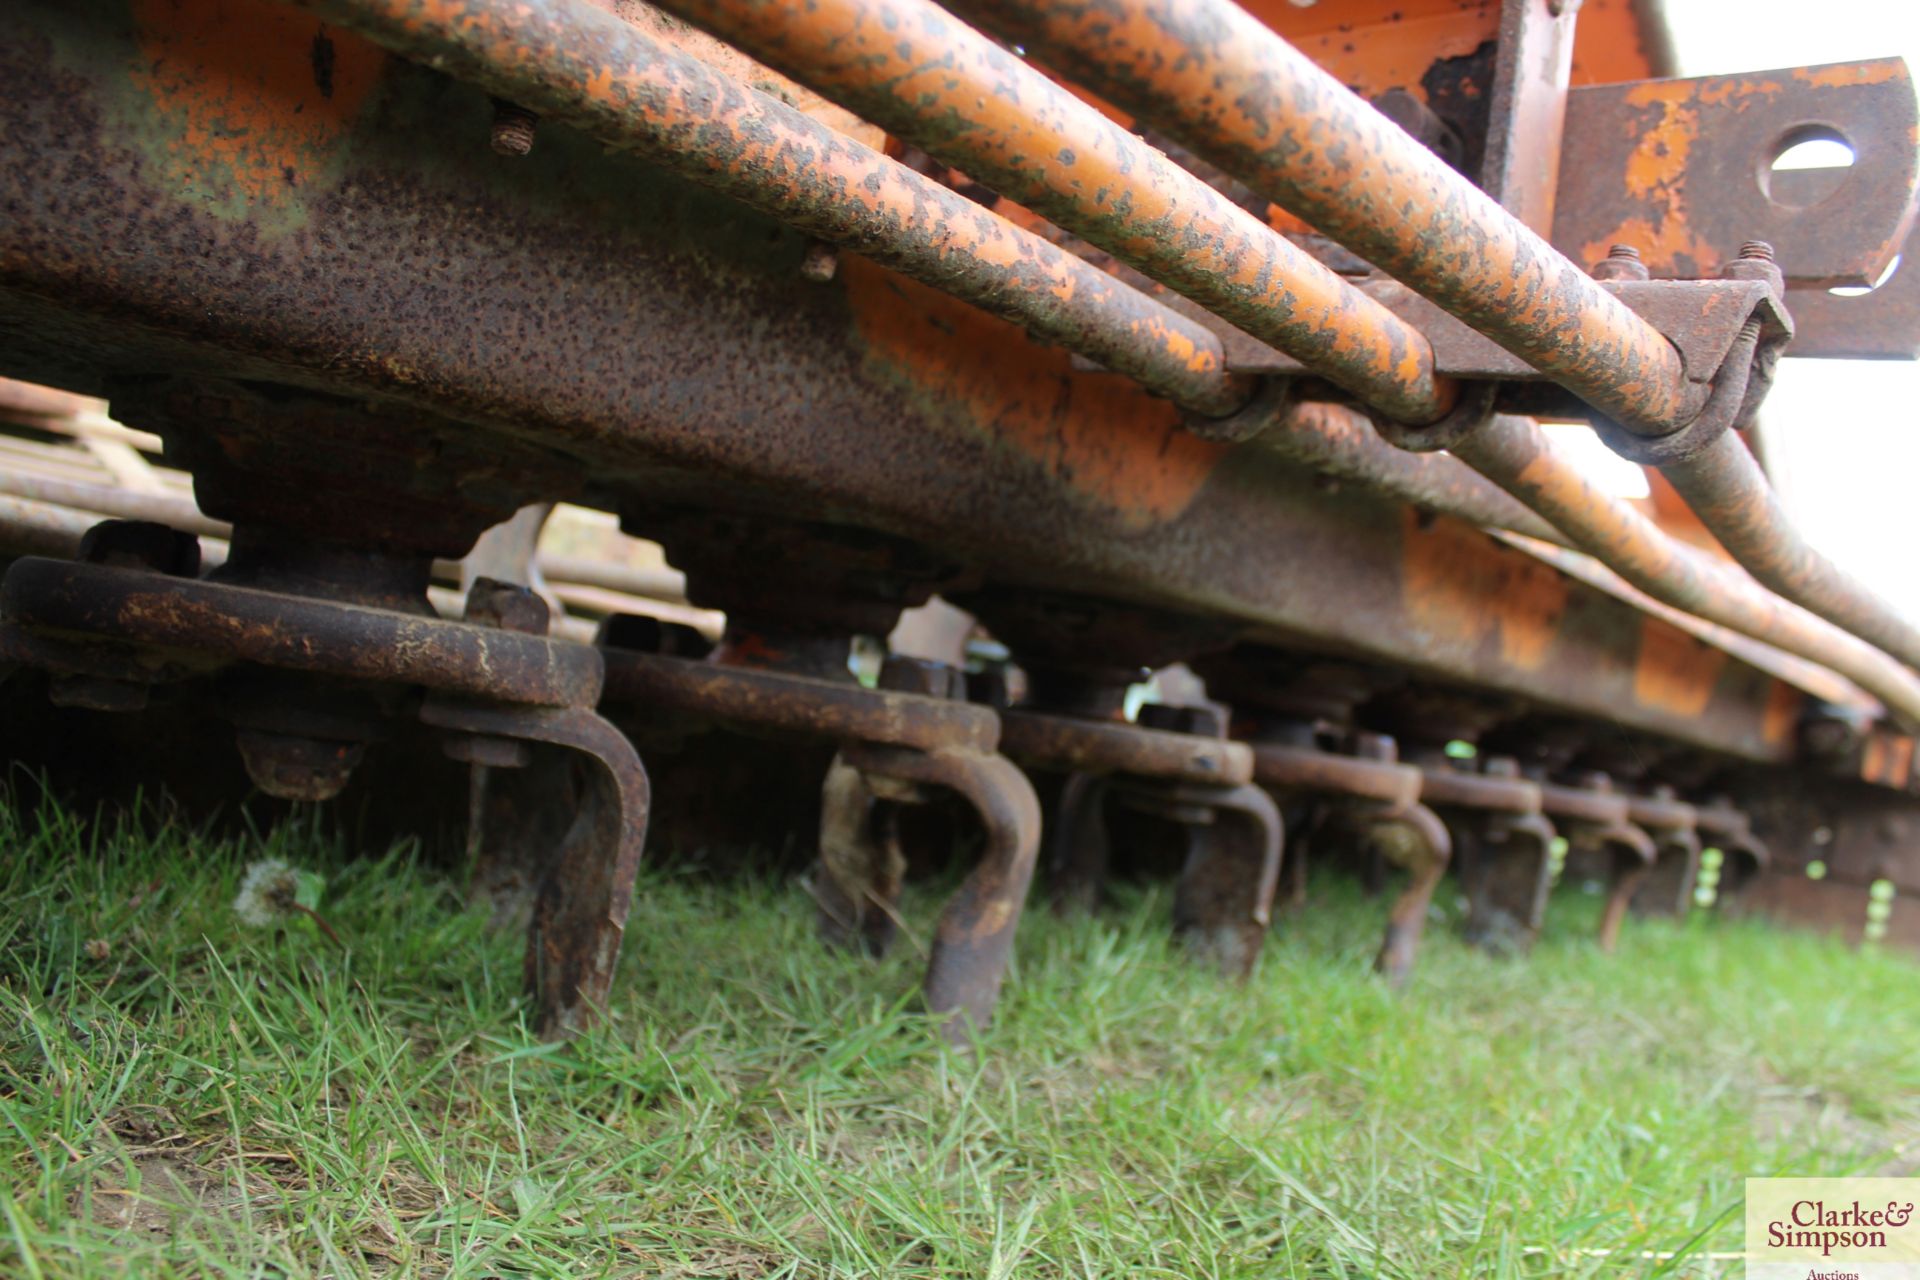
pixel 1755 263
pixel 1621 263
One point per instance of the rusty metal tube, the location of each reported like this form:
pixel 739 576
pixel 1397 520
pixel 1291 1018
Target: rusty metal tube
pixel 1226 85
pixel 1725 487
pixel 586 68
pixel 1339 442
pixel 922 74
pixel 1518 456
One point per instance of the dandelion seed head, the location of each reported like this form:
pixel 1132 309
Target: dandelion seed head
pixel 267 894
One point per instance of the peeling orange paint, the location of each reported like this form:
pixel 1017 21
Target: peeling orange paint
pixel 1457 582
pixel 1659 162
pixel 1840 75
pixel 253 97
pixel 1675 672
pixel 1100 435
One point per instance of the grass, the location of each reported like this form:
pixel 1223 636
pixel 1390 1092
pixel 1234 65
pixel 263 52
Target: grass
pixel 182 1094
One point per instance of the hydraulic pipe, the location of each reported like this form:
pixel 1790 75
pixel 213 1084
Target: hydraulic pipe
pixel 1518 456
pixel 1342 443
pixel 587 68
pixel 914 69
pixel 1726 488
pixel 1228 87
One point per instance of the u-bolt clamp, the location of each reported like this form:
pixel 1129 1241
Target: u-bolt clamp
pixel 1175 764
pixel 897 745
pixel 508 696
pixel 1379 799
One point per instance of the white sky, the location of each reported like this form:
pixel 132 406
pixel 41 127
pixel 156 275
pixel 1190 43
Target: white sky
pixel 1843 436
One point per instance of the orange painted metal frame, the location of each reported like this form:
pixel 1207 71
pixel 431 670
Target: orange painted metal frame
pixel 1243 98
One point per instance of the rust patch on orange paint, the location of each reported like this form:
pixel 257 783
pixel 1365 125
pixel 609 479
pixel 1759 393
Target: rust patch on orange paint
pixel 1887 759
pixel 1459 583
pixel 250 98
pixel 1674 672
pixel 1782 715
pixel 1659 161
pixel 1840 75
pixel 1098 434
pixel 1375 45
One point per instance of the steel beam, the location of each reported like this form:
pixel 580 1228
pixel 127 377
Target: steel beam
pixel 659 341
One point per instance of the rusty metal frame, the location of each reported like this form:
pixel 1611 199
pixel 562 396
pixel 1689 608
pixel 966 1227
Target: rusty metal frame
pixel 1198 781
pixel 891 744
pixel 119 626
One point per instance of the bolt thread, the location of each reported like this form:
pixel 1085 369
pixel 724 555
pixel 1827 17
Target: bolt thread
pixel 1757 251
pixel 512 129
pixel 1623 253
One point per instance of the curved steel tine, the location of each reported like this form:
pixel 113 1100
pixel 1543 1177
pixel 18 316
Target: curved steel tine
pixel 1633 860
pixel 584 880
pixel 1668 887
pixel 974 939
pixel 1224 900
pixel 1422 845
pixel 856 881
pixel 1507 898
pixel 1078 847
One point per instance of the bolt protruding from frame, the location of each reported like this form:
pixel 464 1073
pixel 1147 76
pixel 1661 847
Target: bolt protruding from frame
pixel 1501 767
pixel 506 605
pixel 821 263
pixel 513 127
pixel 1755 262
pixel 1621 263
